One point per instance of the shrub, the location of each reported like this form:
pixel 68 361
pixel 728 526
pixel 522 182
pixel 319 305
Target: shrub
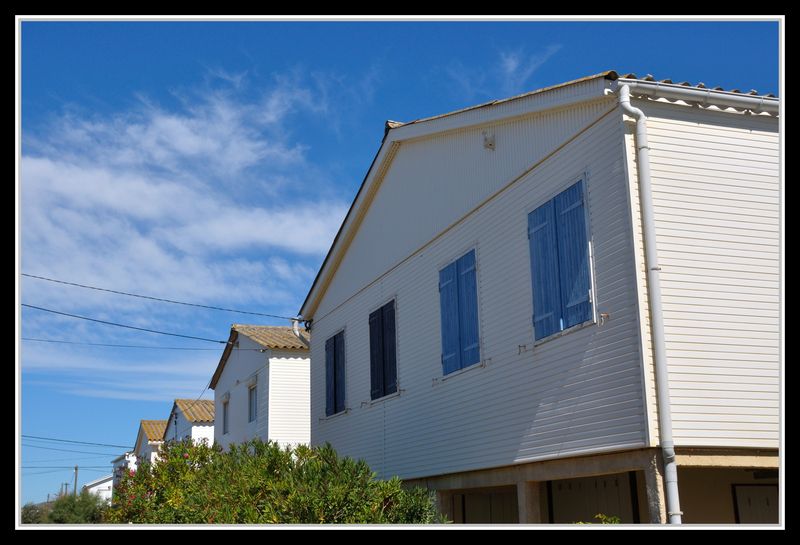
pixel 85 508
pixel 258 482
pixel 33 513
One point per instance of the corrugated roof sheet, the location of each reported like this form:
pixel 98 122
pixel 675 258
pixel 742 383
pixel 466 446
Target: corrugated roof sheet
pixel 699 85
pixel 154 429
pixel 276 337
pixel 196 410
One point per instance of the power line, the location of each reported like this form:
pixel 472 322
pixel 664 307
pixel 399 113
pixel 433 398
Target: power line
pixel 68 450
pixel 69 459
pixel 158 298
pixel 125 326
pixel 62 467
pixel 127 345
pixel 71 441
pixel 46 471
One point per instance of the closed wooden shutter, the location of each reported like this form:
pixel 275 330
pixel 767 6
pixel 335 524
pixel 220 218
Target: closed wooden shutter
pixel 468 310
pixel 389 350
pixel 573 256
pixel 544 271
pixel 376 354
pixel 330 391
pixel 448 300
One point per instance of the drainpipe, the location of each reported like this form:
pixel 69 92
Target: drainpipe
pixel 656 311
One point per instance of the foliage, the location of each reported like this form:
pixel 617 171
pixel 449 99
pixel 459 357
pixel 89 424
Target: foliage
pixel 33 513
pixel 85 508
pixel 604 519
pixel 258 482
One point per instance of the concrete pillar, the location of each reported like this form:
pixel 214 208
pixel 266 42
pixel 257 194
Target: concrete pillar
pixel 528 502
pixel 654 481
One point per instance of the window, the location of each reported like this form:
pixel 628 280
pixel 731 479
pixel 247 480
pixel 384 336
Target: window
pixel 559 248
pixel 252 404
pixel 334 374
pixel 382 353
pixel 458 299
pixel 224 417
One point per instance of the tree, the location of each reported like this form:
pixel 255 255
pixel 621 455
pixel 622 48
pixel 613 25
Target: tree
pixel 85 508
pixel 258 482
pixel 33 513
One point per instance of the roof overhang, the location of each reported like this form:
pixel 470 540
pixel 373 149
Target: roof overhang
pixel 549 98
pixel 224 358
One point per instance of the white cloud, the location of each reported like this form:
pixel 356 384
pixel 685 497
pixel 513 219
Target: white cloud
pixel 197 203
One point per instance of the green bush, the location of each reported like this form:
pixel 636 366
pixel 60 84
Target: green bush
pixel 259 482
pixel 33 513
pixel 85 508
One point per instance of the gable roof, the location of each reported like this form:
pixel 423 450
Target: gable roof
pixel 153 429
pixel 270 337
pixel 101 480
pixel 557 96
pixel 196 410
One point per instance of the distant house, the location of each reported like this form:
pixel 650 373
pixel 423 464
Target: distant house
pixel 524 291
pixel 121 464
pixel 191 419
pixel 261 386
pixel 149 439
pixel 100 487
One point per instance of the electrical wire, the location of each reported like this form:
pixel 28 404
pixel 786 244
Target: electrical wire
pixel 62 467
pixel 157 298
pixel 68 450
pixel 127 345
pixel 72 441
pixel 125 326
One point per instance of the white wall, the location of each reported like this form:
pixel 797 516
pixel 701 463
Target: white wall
pixel 102 489
pixel 716 191
pixel 289 398
pixel 185 429
pixel 243 363
pixel 579 393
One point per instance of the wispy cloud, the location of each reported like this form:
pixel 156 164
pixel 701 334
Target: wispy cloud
pixel 509 75
pixel 214 201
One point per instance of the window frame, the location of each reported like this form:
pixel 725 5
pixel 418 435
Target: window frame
pixel 252 403
pixel 584 178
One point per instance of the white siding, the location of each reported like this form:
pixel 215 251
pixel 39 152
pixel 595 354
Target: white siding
pixel 716 191
pixel 289 404
pixel 244 362
pixel 578 393
pixel 432 182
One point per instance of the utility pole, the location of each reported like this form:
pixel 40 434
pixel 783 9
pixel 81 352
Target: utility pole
pixel 75 488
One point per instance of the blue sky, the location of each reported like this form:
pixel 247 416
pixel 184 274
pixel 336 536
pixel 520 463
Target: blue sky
pixel 212 162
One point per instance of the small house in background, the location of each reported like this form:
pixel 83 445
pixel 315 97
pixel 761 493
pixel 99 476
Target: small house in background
pixel 261 386
pixel 121 464
pixel 100 487
pixel 191 419
pixel 148 440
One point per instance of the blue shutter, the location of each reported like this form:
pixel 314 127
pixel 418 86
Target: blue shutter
pixel 389 350
pixel 339 371
pixel 448 300
pixel 544 271
pixel 376 354
pixel 329 377
pixel 468 309
pixel 573 255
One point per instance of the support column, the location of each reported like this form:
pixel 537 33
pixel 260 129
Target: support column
pixel 528 502
pixel 654 481
pixel 444 503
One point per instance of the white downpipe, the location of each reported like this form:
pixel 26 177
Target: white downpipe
pixel 705 97
pixel 656 312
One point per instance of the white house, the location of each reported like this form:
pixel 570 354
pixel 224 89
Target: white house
pixel 191 419
pixel 148 440
pixel 121 464
pixel 564 303
pixel 261 386
pixel 100 487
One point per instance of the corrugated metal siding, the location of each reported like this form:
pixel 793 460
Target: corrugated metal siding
pixel 434 181
pixel 716 190
pixel 289 405
pixel 578 393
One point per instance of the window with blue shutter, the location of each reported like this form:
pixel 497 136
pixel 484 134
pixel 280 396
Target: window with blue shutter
pixel 559 252
pixel 458 300
pixel 382 352
pixel 334 374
